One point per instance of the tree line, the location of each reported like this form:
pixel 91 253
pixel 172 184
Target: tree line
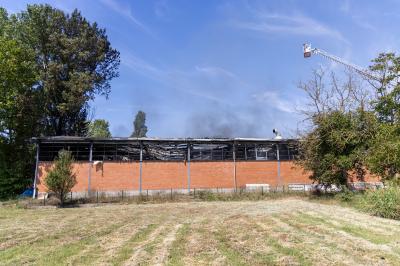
pixel 353 124
pixel 100 128
pixel 52 64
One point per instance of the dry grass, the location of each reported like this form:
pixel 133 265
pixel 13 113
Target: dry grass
pixel 274 232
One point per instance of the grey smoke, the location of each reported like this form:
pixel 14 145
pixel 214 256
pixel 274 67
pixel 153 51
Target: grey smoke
pixel 256 121
pixel 120 131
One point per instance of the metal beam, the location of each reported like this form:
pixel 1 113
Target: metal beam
pixel 234 165
pixel 36 171
pixel 140 167
pixel 188 166
pixel 279 165
pixel 90 166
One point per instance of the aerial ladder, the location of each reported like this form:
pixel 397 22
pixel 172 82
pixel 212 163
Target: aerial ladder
pixel 308 52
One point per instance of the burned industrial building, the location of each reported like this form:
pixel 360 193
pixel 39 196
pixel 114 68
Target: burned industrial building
pixel 150 163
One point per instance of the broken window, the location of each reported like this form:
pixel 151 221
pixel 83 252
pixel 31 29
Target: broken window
pixel 211 152
pixel 170 151
pixel 164 151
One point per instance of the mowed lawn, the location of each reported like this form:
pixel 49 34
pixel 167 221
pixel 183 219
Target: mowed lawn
pixel 272 232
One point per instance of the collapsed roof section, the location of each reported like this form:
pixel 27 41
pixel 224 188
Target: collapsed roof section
pixel 171 149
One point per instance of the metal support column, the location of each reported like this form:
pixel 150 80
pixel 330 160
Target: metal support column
pixel 188 166
pixel 234 166
pixel 90 167
pixel 36 171
pixel 279 165
pixel 140 168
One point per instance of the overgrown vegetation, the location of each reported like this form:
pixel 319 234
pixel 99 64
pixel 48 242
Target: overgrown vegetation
pixel 51 65
pixel 354 125
pixel 354 132
pixel 383 157
pixel 381 202
pixel 384 202
pixel 61 179
pixel 335 148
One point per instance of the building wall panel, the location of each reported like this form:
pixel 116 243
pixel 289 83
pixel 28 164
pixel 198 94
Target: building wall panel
pixel 164 175
pixel 116 176
pixel 292 173
pixel 211 174
pixel 256 172
pixel 80 169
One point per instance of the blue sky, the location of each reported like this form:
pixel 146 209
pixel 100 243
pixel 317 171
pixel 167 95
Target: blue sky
pixel 226 68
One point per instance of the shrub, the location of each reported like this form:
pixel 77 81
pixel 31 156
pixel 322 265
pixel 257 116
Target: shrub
pixel 345 195
pixel 383 202
pixel 61 179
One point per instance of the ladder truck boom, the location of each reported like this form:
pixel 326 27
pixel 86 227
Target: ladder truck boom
pixel 308 51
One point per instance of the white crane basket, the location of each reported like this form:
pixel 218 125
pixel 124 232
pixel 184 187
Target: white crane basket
pixel 307 50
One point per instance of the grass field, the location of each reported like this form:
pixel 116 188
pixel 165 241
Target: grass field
pixel 273 232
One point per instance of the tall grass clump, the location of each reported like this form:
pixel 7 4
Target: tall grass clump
pixel 383 202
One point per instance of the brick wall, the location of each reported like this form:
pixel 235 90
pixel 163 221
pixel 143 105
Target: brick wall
pixel 292 173
pixel 212 174
pixel 80 169
pixel 256 172
pixel 114 176
pixel 163 175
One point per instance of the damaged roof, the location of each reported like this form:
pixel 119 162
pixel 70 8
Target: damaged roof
pixel 72 139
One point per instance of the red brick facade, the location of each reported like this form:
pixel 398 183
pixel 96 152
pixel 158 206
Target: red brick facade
pixel 116 176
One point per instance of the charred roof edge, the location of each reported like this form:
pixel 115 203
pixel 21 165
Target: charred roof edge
pixel 69 139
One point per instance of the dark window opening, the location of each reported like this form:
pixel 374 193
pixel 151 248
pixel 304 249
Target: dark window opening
pixel 164 151
pixel 172 151
pixel 211 152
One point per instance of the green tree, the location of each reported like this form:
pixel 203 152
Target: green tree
pixel 19 111
pixel 337 146
pixel 51 65
pixel 139 125
pixel 75 61
pixel 341 128
pixel 61 179
pixel 387 102
pixel 99 128
pixel 384 152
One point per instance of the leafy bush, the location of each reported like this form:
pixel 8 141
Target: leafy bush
pixel 336 146
pixel 345 195
pixel 383 202
pixel 382 157
pixel 61 179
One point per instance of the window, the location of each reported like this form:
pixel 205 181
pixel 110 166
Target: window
pixel 171 151
pixel 211 152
